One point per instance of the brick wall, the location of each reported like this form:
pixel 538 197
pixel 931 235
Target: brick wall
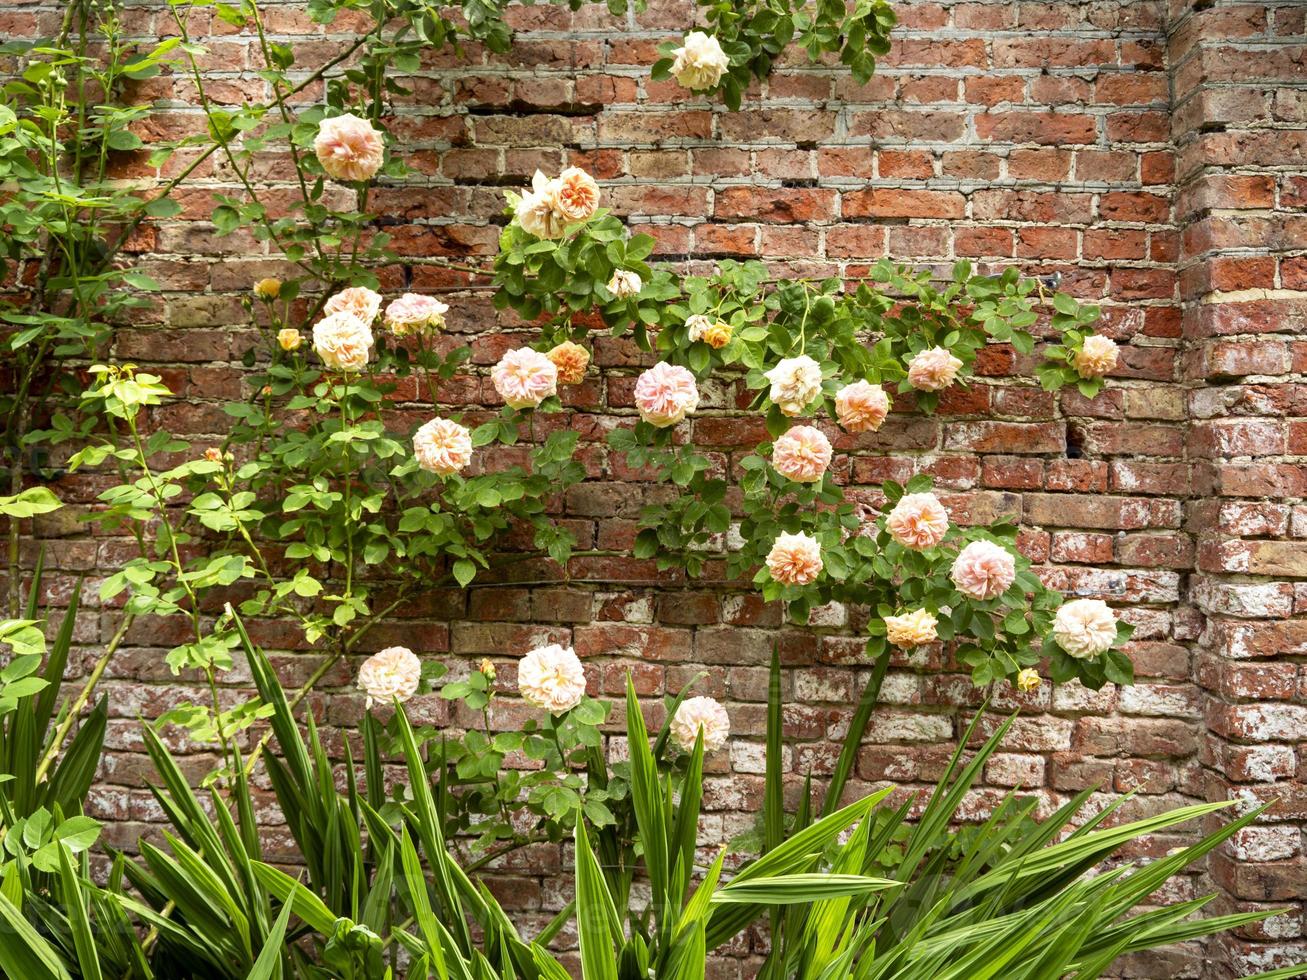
pixel 1153 156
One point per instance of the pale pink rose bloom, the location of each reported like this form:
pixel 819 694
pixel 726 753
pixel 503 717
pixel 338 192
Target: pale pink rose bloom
pixel 393 673
pixel 537 212
pixel 795 382
pixel 700 714
pixel 802 454
pixel 861 406
pixel 918 521
pixel 551 678
pixel 625 284
pixel 1096 356
pixel 665 394
pixel 524 378
pixel 912 629
pixel 983 570
pixel 349 148
pixel 795 559
pixel 415 313
pixel 342 340
pixel 699 62
pixel 933 370
pixel 1085 628
pixel 577 198
pixel 442 446
pixel 364 303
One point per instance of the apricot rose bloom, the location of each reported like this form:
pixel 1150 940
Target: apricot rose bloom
pixel 414 313
pixel 393 673
pixel 342 340
pixel 795 382
pixel 802 454
pixel 1096 356
pixel 861 406
pixel 349 148
pixel 699 63
pixel 625 284
pixel 794 559
pixel 570 360
pixel 913 629
pixel 983 570
pixel 918 521
pixel 267 289
pixel 537 211
pixel 933 369
pixel 551 678
pixel 442 446
pixel 1027 679
pixel 715 333
pixel 1084 628
pixel 289 339
pixel 577 198
pixel 524 378
pixel 364 303
pixel 697 715
pixel 665 394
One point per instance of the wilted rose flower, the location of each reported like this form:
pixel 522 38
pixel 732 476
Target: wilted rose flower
pixel 268 289
pixel 213 455
pixel 700 714
pixel 665 394
pixel 342 340
pixel 537 212
pixel 288 339
pixel 551 678
pixel 933 369
pixel 571 360
pixel 983 570
pixel 861 406
pixel 802 454
pixel 625 284
pixel 715 333
pixel 918 521
pixel 577 198
pixel 912 629
pixel 524 378
pixel 364 303
pixel 794 559
pixel 795 382
pixel 414 313
pixel 1096 356
pixel 393 673
pixel 349 148
pixel 699 63
pixel 442 446
pixel 1085 628
pixel 1027 679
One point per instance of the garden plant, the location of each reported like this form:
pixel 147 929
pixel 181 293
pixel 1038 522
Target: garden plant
pixel 335 500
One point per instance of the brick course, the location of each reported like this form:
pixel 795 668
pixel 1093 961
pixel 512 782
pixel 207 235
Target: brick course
pixel 1149 153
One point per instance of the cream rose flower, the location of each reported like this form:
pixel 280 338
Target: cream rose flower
pixel 524 378
pixel 551 678
pixel 795 382
pixel 571 360
pixel 1084 628
pixel 933 370
pixel 393 673
pixel 289 339
pixel 577 196
pixel 414 313
pixel 625 284
pixel 349 148
pixel 861 406
pixel 802 454
pixel 442 446
pixel 1096 356
pixel 794 559
pixel 912 629
pixel 983 570
pixel 342 340
pixel 537 212
pixel 364 303
pixel 699 63
pixel 665 394
pixel 918 521
pixel 701 714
